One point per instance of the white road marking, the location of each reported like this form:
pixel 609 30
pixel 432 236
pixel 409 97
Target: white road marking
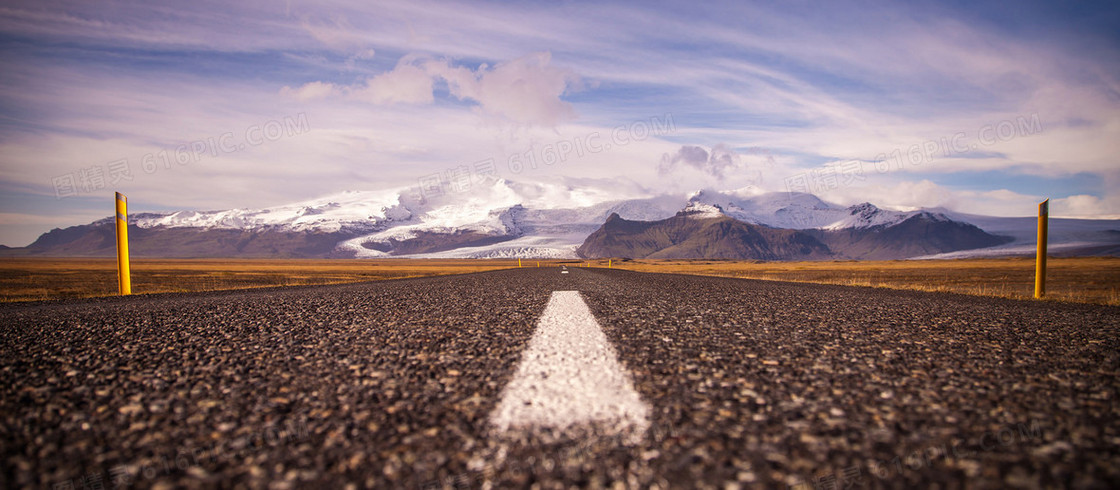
pixel 570 380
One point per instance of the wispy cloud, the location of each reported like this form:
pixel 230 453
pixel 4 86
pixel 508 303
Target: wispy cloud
pixel 526 90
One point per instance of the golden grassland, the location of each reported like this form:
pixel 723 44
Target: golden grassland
pixel 1087 280
pixel 1084 280
pixel 26 279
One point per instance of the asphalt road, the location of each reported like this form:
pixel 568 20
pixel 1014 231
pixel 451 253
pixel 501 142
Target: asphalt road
pixel 391 384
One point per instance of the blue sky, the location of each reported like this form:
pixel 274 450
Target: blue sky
pixel 981 107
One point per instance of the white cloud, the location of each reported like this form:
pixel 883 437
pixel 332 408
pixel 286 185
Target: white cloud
pixel 526 90
pixel 335 31
pixel 310 91
pixel 716 164
pixel 899 191
pixel 362 55
pixel 523 91
pixel 689 168
pixel 1086 206
pixel 891 193
pixel 406 84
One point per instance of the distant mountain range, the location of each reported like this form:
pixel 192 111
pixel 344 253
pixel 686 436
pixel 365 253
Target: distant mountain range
pixel 704 231
pixel 699 232
pixel 501 218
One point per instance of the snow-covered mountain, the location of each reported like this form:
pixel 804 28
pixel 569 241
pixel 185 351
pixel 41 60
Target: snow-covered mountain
pixel 502 218
pixel 799 211
pixel 358 211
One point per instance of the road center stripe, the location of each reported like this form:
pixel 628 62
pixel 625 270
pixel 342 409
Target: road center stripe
pixel 570 379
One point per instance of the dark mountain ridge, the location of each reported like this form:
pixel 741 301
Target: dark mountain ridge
pixel 716 236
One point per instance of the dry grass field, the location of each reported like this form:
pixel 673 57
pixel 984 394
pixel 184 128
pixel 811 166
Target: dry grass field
pixel 25 279
pixel 1088 280
pixel 1084 280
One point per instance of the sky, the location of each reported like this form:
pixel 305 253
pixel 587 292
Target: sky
pixel 979 107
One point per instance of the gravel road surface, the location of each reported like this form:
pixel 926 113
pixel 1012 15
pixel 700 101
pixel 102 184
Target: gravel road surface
pixel 392 385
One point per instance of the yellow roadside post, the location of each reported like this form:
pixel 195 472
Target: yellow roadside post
pixel 609 263
pixel 1040 255
pixel 519 262
pixel 124 275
